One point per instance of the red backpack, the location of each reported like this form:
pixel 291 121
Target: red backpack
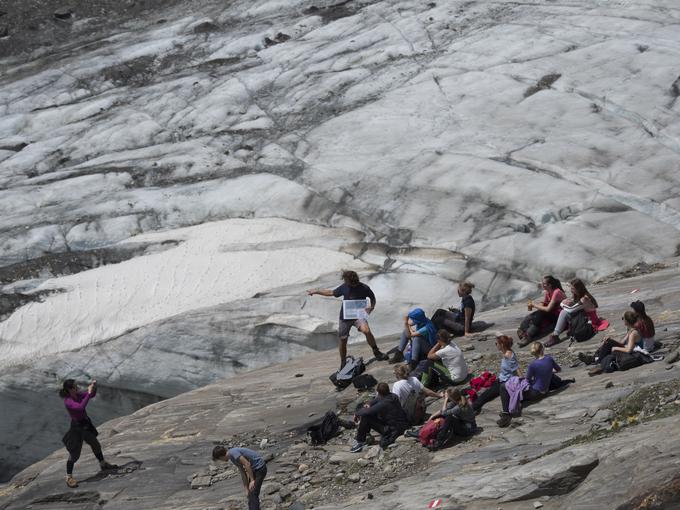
pixel 428 432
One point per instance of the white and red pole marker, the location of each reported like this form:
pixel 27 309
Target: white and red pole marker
pixel 436 503
pixel 634 291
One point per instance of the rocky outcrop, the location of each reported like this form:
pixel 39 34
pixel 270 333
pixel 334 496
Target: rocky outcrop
pixel 604 442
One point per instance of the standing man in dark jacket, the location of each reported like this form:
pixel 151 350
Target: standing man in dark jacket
pixel 383 414
pixel 352 289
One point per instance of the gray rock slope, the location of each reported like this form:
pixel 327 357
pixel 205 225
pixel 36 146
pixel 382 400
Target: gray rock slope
pixel 606 442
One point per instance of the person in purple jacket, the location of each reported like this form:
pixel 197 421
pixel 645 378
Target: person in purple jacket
pixel 81 429
pixel 541 378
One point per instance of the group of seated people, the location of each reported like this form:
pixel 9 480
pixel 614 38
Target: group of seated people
pixel 427 359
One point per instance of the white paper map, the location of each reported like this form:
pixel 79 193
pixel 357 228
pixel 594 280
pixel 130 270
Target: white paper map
pixel 355 309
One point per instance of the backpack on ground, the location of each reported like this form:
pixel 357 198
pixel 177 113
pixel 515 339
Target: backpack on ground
pixel 428 432
pixel 328 428
pixel 627 360
pixel 414 407
pixel 343 377
pixel 364 382
pixel 580 327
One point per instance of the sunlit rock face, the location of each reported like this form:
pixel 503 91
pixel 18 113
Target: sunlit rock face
pixel 172 180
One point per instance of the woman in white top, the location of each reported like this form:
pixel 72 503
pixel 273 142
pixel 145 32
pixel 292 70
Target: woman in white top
pixel 582 300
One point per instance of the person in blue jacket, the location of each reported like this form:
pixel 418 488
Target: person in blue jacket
pixel 422 335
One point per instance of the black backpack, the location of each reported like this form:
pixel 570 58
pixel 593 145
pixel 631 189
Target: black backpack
pixel 414 407
pixel 364 382
pixel 328 428
pixel 343 378
pixel 580 328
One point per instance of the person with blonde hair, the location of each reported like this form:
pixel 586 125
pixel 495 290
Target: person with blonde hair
pixel 411 393
pixel 540 379
pixel 458 321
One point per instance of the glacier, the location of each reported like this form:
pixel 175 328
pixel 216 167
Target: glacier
pixel 172 182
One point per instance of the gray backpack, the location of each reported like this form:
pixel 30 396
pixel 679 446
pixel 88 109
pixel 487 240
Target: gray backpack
pixel 353 367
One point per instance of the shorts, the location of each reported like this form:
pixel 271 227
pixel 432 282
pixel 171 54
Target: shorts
pixel 345 325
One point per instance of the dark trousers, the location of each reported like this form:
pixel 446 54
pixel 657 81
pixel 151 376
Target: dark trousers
pixel 487 395
pixel 453 427
pixel 450 321
pixel 528 395
pixel 606 348
pixel 73 440
pixel 254 495
pixel 538 322
pixel 388 434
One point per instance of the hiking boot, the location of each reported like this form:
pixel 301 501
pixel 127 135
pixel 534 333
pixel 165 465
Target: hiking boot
pixel 105 466
pixel 398 358
pixel 504 420
pixel 552 341
pixel 415 434
pixel 380 356
pixel 524 339
pixel 71 482
pixel 588 359
pixel 595 371
pixel 357 447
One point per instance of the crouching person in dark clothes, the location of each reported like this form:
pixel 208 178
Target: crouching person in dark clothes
pixel 383 414
pixel 252 467
pixel 82 429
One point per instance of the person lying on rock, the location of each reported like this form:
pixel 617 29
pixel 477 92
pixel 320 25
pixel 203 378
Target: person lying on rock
pixel 82 429
pixel 582 300
pixel 251 467
pixel 541 378
pixel 445 363
pixel 543 315
pixel 352 289
pixel 644 326
pixel 509 368
pixel 612 353
pixel 383 414
pixel 458 322
pixel 410 392
pixel 459 418
pixel 419 331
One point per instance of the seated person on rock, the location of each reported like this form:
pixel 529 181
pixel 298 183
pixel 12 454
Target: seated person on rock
pixel 459 418
pixel 410 392
pixel 420 333
pixel 582 300
pixel 458 322
pixel 445 363
pixel 509 368
pixel 383 414
pixel 543 316
pixel 611 353
pixel 251 467
pixel 644 326
pixel 541 378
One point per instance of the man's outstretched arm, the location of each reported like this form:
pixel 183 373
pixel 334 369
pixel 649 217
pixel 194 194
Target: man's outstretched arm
pixel 321 292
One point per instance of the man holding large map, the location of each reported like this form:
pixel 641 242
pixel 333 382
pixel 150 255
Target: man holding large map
pixel 358 301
